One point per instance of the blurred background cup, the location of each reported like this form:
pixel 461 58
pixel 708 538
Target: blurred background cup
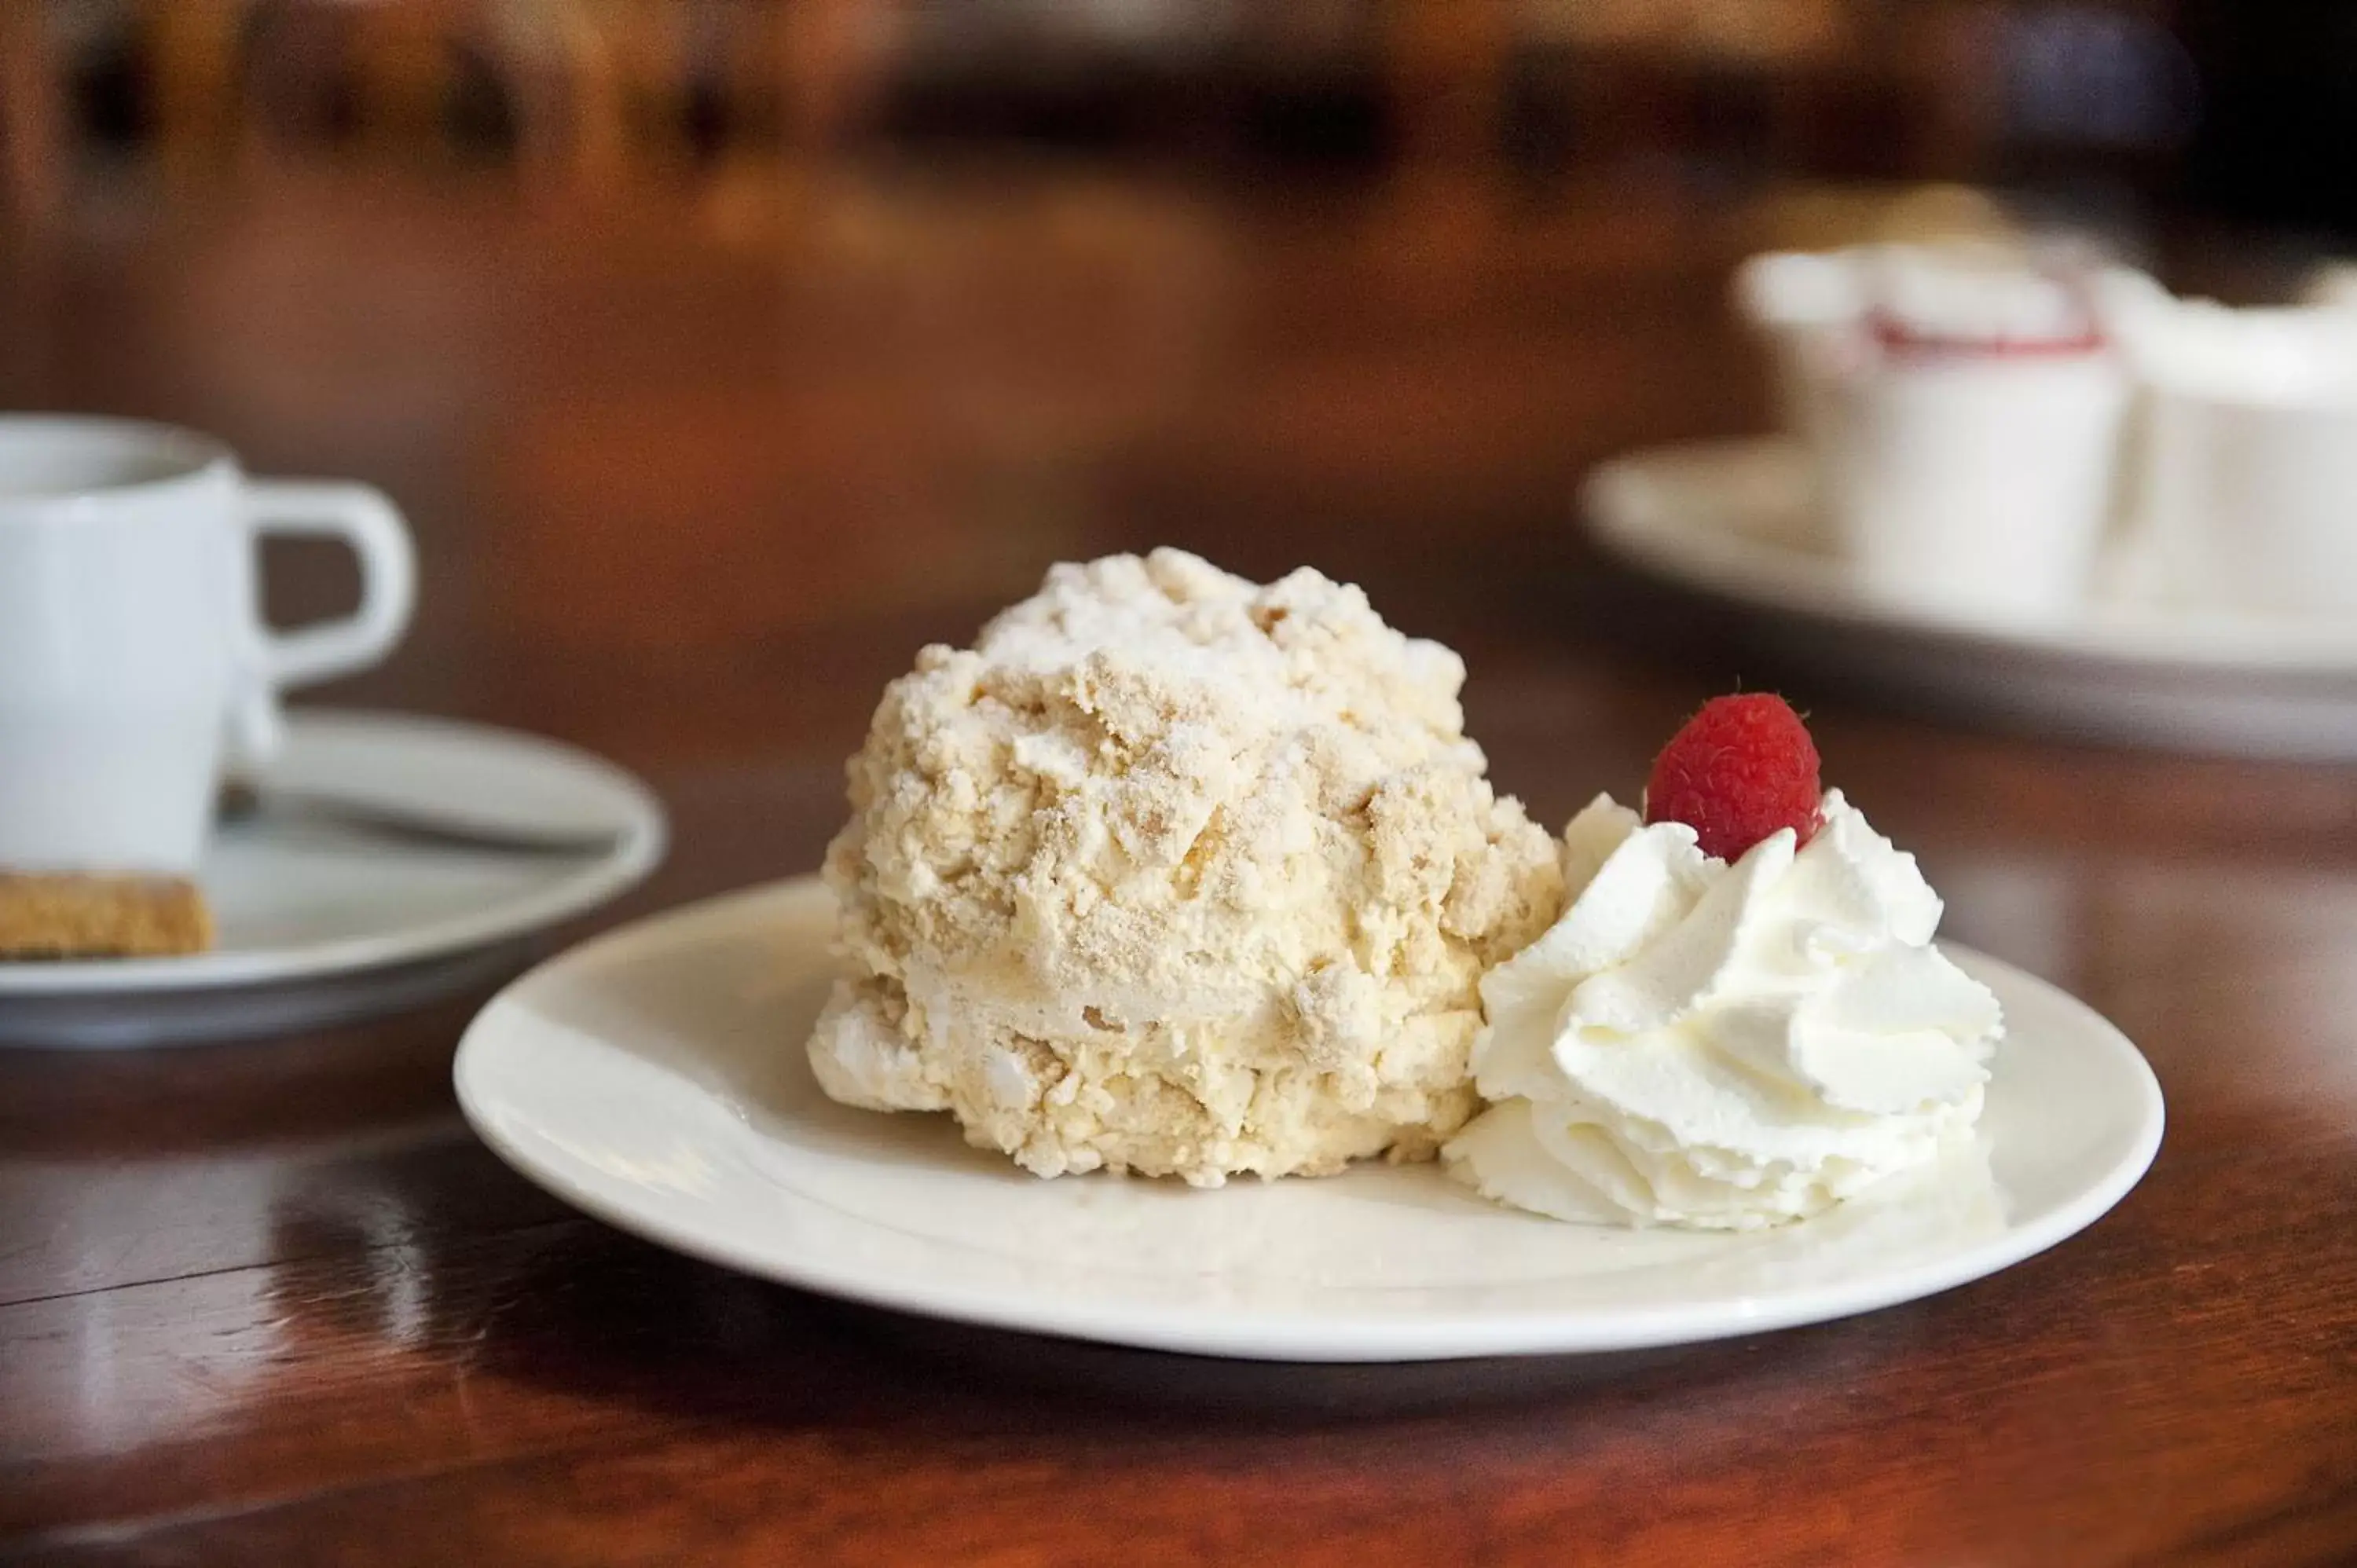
pixel 2250 481
pixel 131 645
pixel 1807 307
pixel 1970 449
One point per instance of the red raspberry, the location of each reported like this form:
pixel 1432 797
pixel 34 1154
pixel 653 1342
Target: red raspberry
pixel 1740 768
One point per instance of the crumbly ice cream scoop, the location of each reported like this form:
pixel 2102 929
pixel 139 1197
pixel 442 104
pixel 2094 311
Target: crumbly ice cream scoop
pixel 1176 873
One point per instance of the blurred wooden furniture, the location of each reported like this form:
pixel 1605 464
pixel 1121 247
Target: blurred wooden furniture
pixel 246 81
pixel 239 81
pixel 692 504
pixel 586 97
pixel 1448 63
pixel 32 128
pixel 193 68
pixel 596 93
pixel 1855 87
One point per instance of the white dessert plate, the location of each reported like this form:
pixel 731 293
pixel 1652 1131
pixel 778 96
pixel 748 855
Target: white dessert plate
pixel 324 920
pixel 655 1078
pixel 1734 519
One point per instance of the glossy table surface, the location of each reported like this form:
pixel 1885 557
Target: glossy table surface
pixel 692 479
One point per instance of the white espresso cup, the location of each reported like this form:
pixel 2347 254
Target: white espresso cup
pixel 2250 473
pixel 133 652
pixel 1964 408
pixel 1979 486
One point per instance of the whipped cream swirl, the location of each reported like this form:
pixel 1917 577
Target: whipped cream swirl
pixel 1723 1046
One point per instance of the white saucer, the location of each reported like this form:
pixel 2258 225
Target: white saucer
pixel 322 922
pixel 655 1078
pixel 1730 519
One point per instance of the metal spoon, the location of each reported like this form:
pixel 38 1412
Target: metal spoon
pixel 434 826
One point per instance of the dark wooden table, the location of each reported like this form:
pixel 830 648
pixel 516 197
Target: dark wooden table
pixel 692 479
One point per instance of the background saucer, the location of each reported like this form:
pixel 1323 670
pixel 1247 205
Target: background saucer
pixel 324 922
pixel 1734 520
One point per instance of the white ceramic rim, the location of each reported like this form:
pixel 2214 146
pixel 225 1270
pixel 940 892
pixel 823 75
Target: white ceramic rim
pixel 204 457
pixel 1693 551
pixel 1309 1336
pixel 636 851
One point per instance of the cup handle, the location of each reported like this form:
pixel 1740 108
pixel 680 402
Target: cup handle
pixel 364 518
